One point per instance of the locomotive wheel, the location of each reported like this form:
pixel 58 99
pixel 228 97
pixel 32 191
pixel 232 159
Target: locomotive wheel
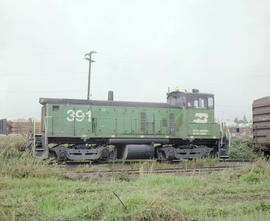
pixel 52 155
pixel 213 154
pixel 105 155
pixel 266 155
pixel 160 155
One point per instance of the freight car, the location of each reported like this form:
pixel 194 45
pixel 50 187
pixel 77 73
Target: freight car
pixel 95 130
pixel 261 125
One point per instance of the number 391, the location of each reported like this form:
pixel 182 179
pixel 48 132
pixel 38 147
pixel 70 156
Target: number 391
pixel 78 115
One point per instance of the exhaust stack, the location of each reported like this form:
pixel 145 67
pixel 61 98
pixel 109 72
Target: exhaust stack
pixel 110 95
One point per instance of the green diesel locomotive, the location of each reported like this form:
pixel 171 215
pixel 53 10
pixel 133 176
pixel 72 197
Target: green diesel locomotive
pixel 182 128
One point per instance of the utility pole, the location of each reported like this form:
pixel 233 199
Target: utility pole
pixel 88 57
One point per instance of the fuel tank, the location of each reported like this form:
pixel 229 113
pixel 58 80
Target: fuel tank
pixel 136 151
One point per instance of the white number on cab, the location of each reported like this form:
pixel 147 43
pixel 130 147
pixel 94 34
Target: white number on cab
pixel 89 114
pixel 71 114
pixel 79 115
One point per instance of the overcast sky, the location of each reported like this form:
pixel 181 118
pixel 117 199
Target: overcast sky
pixel 144 47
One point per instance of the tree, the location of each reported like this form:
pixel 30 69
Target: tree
pixel 245 121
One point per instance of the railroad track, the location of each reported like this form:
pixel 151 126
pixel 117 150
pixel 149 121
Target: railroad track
pixel 70 163
pixel 236 161
pixel 179 171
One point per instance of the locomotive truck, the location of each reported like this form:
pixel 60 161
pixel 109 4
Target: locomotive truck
pixel 182 128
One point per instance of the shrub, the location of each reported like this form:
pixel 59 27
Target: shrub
pixel 242 149
pixel 263 206
pixel 252 177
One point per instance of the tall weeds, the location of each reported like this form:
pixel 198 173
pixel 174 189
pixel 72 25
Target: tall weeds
pixel 17 163
pixel 242 149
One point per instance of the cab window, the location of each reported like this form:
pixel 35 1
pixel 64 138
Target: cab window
pixel 203 103
pixel 177 100
pixel 196 103
pixel 200 102
pixel 210 102
pixel 172 100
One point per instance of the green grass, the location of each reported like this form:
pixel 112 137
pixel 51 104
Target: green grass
pixel 234 195
pixel 38 190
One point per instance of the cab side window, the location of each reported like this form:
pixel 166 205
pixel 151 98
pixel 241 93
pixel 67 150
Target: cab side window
pixel 202 103
pixel 210 102
pixel 177 100
pixel 173 100
pixel 196 103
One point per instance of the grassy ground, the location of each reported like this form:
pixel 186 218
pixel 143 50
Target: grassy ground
pixel 38 190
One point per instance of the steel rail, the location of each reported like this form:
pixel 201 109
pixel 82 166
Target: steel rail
pixel 151 160
pixel 158 171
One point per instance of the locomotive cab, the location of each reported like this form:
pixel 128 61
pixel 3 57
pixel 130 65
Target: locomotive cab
pixel 200 126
